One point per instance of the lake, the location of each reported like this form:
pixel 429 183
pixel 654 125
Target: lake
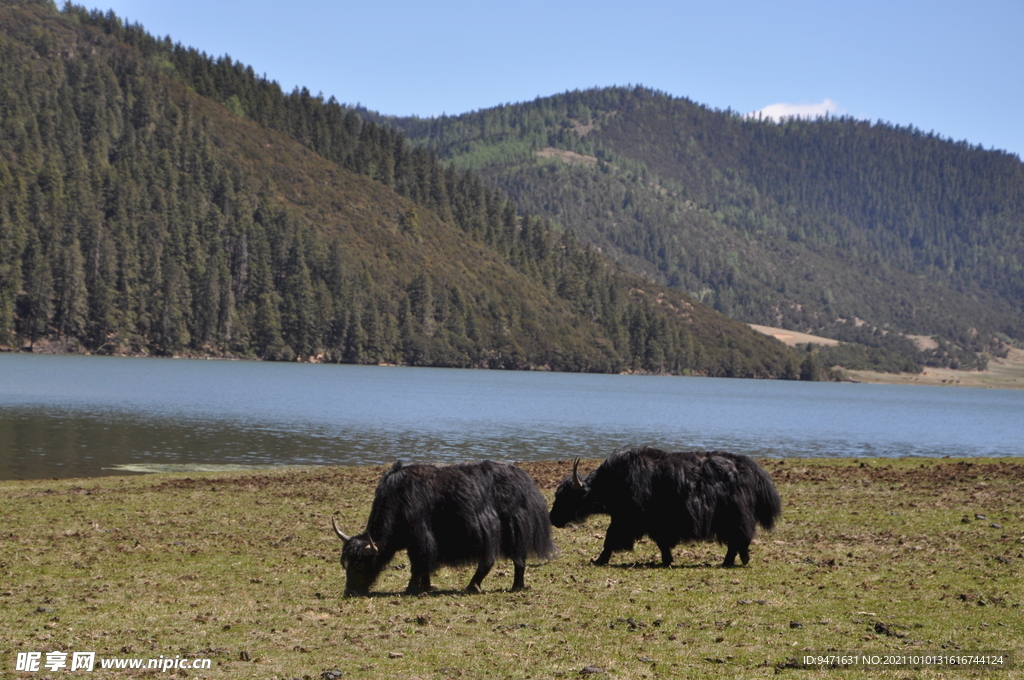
pixel 78 416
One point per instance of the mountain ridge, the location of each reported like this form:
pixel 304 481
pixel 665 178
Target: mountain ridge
pixel 798 224
pixel 157 201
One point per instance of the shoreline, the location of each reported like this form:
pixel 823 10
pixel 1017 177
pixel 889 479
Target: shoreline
pixel 1001 373
pixel 1005 373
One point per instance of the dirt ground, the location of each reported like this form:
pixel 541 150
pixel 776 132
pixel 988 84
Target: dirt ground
pixel 793 338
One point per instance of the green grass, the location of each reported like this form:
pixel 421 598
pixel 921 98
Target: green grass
pixel 883 556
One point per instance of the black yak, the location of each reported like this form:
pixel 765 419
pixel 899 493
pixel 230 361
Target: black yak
pixel 470 513
pixel 672 497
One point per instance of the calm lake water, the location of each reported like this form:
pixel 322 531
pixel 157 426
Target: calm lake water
pixel 74 416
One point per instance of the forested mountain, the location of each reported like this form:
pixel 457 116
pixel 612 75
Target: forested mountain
pixel 155 200
pixel 835 226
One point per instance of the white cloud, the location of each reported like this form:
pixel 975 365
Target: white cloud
pixel 778 112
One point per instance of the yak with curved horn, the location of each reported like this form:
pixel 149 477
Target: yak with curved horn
pixel 469 513
pixel 673 498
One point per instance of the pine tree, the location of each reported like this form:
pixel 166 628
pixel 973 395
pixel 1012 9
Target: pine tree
pixel 35 306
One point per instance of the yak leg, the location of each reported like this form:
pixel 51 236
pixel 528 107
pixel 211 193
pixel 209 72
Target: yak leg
pixel 482 570
pixel 418 583
pixel 730 555
pixel 666 554
pixel 519 580
pixel 617 538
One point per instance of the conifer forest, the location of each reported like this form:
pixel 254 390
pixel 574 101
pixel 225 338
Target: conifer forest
pixel 155 200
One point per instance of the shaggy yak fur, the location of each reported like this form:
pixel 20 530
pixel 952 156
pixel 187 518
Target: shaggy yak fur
pixel 471 513
pixel 673 498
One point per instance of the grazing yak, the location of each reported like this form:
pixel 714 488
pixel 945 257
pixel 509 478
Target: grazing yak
pixel 470 513
pixel 673 498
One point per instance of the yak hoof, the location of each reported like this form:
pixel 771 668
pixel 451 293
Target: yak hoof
pixel 420 591
pixel 599 561
pixel 473 589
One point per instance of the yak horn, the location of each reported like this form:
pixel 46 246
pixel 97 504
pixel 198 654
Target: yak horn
pixel 370 549
pixel 576 483
pixel 342 536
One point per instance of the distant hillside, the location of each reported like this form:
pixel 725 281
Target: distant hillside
pixel 839 227
pixel 154 200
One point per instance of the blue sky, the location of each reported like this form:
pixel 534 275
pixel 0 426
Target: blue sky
pixel 955 68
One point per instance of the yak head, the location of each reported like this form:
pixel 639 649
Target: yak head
pixel 570 499
pixel 361 560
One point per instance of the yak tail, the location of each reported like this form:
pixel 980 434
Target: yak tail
pixel 767 504
pixel 537 527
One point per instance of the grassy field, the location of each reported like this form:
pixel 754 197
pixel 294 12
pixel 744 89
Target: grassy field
pixel 885 556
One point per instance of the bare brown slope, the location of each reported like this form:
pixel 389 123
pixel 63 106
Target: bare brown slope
pixel 366 215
